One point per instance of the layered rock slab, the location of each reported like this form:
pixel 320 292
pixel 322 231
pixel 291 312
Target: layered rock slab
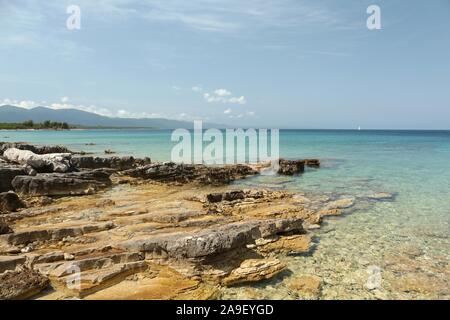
pixel 214 240
pixel 188 173
pixel 62 184
pixel 24 237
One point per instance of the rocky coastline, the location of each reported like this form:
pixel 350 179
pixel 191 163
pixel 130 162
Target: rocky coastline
pixel 80 226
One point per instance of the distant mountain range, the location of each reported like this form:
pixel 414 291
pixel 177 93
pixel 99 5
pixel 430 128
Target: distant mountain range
pixel 12 114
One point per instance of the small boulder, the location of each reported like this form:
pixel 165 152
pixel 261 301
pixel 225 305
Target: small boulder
pixel 343 203
pixel 313 163
pixel 4 227
pixel 10 202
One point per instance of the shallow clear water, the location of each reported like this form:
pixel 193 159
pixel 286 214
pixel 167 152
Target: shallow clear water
pixel 413 165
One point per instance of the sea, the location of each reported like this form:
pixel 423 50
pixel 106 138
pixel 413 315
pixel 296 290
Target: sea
pixel 395 248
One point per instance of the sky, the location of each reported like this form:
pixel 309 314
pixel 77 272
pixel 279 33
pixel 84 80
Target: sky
pixel 253 63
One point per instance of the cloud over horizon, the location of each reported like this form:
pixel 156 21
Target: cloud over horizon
pixel 121 113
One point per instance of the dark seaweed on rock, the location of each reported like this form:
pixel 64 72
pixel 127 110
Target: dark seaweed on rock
pixel 187 173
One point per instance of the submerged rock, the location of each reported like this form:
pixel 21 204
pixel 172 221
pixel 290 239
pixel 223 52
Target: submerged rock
pixel 21 284
pixel 306 286
pixel 10 202
pixel 253 270
pixel 291 167
pixel 53 162
pixel 382 196
pixel 344 203
pixel 314 163
pixel 62 184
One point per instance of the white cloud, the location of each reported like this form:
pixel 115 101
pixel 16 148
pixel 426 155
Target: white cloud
pixel 227 111
pixel 121 113
pixel 64 99
pixel 229 16
pixel 240 100
pixel 223 96
pixel 197 88
pixel 222 92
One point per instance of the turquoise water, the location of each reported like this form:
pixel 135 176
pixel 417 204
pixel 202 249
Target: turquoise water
pixel 412 165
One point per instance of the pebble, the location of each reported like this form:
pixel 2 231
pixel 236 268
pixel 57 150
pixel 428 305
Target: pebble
pixel 68 257
pixel 26 249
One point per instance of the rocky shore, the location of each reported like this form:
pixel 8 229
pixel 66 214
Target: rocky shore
pixel 78 226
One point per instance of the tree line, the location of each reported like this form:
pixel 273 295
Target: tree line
pixel 30 124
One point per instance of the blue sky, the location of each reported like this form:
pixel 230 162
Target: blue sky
pixel 284 63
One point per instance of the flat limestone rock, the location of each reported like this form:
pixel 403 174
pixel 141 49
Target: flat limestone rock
pixel 11 262
pixel 24 237
pixel 214 240
pixel 65 268
pixel 21 284
pixel 253 270
pixel 62 184
pixel 157 283
pixel 98 279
